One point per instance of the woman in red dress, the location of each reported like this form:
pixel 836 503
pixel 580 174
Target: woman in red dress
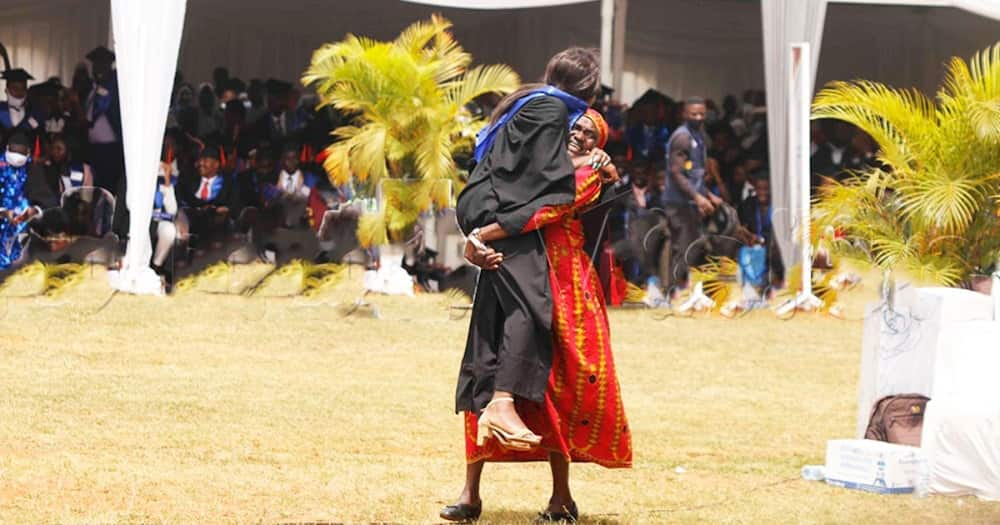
pixel 582 418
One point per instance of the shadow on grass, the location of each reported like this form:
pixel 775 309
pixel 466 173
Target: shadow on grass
pixel 524 517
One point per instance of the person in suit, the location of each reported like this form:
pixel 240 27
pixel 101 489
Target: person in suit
pixel 17 113
pixel 275 125
pixel 757 227
pixel 289 196
pixel 249 184
pixel 205 201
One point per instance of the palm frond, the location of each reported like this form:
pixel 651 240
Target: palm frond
pixel 481 80
pixel 898 120
pixel 419 34
pixel 372 229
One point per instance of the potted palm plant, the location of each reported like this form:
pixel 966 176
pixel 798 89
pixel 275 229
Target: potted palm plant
pixel 931 207
pixel 409 99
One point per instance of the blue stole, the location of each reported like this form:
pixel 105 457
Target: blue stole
pixel 485 138
pixel 102 103
pixel 5 121
pixel 158 212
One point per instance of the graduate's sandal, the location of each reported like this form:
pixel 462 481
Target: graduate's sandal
pixel 522 439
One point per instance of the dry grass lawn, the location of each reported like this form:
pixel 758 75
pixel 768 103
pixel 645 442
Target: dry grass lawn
pixel 205 408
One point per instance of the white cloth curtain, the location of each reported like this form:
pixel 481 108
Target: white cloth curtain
pixel 51 38
pixel 147 41
pixel 784 22
pixel 987 8
pixel 497 4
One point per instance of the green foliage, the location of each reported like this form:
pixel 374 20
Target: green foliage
pixel 409 98
pixel 931 209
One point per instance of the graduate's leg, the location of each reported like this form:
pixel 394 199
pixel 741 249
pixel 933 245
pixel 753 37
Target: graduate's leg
pixel 518 373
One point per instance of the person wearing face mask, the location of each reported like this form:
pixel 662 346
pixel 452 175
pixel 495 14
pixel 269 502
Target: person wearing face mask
pixel 15 208
pixel 686 199
pixel 104 118
pixel 16 114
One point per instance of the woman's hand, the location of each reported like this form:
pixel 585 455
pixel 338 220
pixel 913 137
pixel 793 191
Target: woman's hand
pixel 609 174
pixel 486 258
pixel 599 159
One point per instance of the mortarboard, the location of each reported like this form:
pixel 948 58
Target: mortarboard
pixel 17 75
pixel 101 54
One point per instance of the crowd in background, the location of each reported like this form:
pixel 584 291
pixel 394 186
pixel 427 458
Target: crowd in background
pixel 241 157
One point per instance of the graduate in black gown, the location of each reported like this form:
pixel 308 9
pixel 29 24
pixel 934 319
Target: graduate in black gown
pixel 523 166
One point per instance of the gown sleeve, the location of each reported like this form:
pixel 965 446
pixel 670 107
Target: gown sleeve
pixel 588 191
pixel 529 166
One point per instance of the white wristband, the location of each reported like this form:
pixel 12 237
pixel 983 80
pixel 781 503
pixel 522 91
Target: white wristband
pixel 474 239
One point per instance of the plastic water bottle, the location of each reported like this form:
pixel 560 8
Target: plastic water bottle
pixel 814 472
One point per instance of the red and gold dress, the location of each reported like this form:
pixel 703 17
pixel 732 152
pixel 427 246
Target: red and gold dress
pixel 582 416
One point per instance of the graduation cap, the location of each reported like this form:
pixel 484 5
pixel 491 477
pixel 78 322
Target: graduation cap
pixel 45 89
pixel 101 54
pixel 19 138
pixel 278 87
pixel 210 152
pixel 17 75
pixel 652 96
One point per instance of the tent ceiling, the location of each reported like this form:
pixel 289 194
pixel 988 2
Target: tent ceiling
pixel 707 47
pixel 497 4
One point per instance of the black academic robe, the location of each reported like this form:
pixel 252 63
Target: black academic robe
pixel 509 347
pixel 30 125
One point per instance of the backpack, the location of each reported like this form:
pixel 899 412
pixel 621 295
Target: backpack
pixel 898 419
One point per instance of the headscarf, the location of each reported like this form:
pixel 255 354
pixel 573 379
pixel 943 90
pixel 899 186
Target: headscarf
pixel 600 125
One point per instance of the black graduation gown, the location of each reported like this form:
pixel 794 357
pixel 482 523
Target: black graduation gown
pixel 509 347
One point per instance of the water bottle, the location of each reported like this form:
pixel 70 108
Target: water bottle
pixel 814 472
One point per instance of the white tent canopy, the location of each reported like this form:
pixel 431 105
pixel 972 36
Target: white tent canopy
pixel 680 47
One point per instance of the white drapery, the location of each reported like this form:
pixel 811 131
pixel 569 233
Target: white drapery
pixel 714 52
pixel 147 42
pixel 786 21
pixel 497 4
pixel 987 8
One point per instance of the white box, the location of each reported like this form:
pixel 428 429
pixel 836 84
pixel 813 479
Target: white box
pixel 874 466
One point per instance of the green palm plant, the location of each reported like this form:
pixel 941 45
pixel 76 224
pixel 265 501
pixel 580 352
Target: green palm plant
pixel 408 98
pixel 931 207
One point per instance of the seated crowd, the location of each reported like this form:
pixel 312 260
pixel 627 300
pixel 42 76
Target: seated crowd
pixel 242 160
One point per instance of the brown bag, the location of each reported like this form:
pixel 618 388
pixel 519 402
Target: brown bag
pixel 898 419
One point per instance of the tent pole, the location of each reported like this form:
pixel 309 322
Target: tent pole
pixel 799 97
pixel 607 25
pixel 618 45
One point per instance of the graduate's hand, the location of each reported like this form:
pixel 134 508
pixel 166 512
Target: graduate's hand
pixel 488 259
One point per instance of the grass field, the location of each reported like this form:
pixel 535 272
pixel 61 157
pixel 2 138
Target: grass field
pixel 205 408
